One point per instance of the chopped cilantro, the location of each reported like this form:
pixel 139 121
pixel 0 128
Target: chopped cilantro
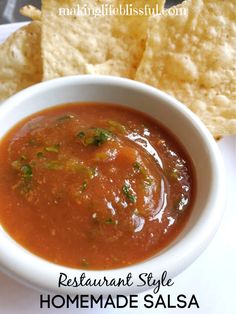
pixel 175 173
pixel 33 142
pixel 26 174
pixel 110 221
pixel 65 118
pixel 116 126
pixel 137 166
pixel 53 149
pixel 81 134
pixel 126 190
pixel 84 263
pixel 40 154
pixel 93 172
pixel 53 165
pixel 84 186
pixel 148 181
pixel 26 171
pixel 94 136
pixel 23 157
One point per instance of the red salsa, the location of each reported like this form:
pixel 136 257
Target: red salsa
pixel 94 186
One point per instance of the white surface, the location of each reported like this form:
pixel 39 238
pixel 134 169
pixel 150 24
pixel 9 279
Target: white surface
pixel 212 278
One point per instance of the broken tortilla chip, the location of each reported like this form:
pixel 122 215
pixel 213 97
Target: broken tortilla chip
pixel 109 44
pixel 32 12
pixel 193 58
pixel 20 60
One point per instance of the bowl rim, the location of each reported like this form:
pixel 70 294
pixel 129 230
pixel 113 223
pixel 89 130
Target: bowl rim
pixel 29 273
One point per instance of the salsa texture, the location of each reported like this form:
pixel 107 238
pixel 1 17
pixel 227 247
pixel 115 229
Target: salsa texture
pixel 94 186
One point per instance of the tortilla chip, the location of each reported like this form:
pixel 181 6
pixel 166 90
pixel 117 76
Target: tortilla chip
pixel 32 12
pixel 193 58
pixel 20 60
pixel 110 45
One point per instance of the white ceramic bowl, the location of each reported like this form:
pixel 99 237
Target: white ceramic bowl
pixel 194 136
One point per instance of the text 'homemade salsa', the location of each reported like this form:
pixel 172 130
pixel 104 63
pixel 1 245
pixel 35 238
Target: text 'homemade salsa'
pixel 93 186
